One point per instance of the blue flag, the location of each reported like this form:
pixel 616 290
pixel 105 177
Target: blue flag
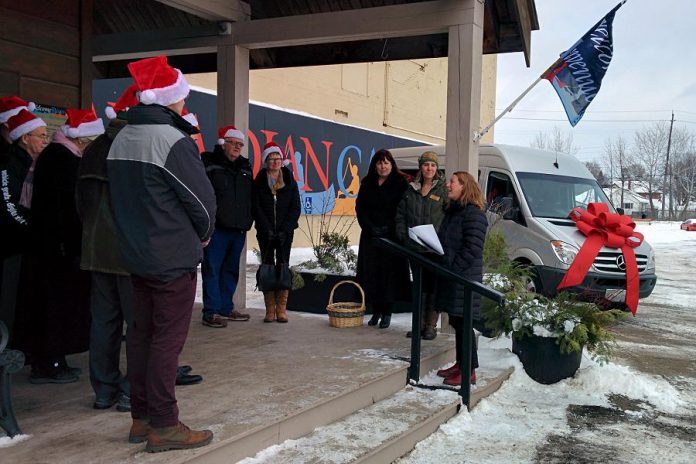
pixel 577 74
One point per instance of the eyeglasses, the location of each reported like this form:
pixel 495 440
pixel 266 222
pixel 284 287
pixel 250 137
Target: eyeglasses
pixel 41 136
pixel 271 160
pixel 235 144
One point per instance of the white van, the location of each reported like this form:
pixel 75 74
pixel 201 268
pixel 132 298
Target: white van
pixel 536 190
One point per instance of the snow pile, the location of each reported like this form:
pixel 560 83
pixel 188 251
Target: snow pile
pixel 6 442
pixel 518 418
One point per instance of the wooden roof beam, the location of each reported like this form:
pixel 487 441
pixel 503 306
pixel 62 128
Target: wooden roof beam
pixel 213 10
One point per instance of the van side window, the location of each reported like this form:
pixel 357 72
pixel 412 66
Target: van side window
pixel 501 198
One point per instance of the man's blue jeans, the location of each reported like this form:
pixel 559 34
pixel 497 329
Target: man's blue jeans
pixel 220 271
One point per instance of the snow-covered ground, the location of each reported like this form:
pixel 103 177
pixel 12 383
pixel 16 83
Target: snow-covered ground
pixel 610 413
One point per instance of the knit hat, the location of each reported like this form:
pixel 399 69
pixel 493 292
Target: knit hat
pixel 9 106
pixel 82 123
pixel 127 100
pixel 158 83
pixel 231 131
pixel 189 117
pixel 428 156
pixel 22 123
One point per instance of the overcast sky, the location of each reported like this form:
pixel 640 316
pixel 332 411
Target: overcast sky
pixel 653 71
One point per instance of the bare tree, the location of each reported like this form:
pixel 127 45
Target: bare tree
pixel 596 170
pixel 682 143
pixel 556 141
pixel 684 175
pixel 650 144
pixel 617 159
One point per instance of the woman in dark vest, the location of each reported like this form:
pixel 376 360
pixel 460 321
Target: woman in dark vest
pixel 423 203
pixel 384 277
pixel 462 235
pixel 276 210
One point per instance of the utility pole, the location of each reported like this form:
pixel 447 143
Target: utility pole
pixel 664 177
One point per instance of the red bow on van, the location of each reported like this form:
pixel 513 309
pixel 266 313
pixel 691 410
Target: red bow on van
pixel 612 230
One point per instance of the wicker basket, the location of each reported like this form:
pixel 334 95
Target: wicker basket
pixel 346 314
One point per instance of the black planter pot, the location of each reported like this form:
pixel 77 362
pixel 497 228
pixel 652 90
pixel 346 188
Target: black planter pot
pixel 314 296
pixel 542 359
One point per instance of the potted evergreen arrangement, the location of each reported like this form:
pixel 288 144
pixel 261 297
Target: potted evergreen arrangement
pixel 548 334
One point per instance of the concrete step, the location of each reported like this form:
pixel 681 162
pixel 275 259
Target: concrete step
pixel 384 431
pixel 320 414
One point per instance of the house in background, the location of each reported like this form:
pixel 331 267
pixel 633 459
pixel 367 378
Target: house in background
pixel 635 203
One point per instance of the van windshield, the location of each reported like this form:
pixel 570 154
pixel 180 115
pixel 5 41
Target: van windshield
pixel 555 196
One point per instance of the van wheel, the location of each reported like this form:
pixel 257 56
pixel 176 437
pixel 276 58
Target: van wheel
pixel 533 281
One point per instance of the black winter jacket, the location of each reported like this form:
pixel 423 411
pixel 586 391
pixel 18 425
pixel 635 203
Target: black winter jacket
pixel 462 235
pixel 164 205
pixel 415 210
pixel 14 166
pixel 100 248
pixel 232 182
pixel 275 214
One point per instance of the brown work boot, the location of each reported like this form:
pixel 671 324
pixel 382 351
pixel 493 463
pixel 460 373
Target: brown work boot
pixel 176 438
pixel 236 316
pixel 430 331
pixel 269 299
pixel 139 431
pixel 282 300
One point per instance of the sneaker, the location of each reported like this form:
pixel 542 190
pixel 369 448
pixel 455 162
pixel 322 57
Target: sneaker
pixel 105 402
pixel 235 316
pixel 214 321
pixel 176 438
pixel 123 404
pixel 60 376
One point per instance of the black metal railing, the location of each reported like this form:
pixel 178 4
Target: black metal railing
pixel 418 263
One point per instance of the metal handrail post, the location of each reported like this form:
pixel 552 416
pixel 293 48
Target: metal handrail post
pixel 414 367
pixel 466 348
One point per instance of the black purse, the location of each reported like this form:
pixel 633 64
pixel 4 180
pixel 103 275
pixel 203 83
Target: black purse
pixel 271 277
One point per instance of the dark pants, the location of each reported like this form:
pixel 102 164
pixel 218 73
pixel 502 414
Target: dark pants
pixel 220 271
pixel 111 303
pixel 161 319
pixel 274 252
pixel 456 323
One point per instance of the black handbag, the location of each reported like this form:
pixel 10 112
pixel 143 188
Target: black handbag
pixel 271 277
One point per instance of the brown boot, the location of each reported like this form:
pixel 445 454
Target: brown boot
pixel 176 438
pixel 139 431
pixel 430 331
pixel 282 300
pixel 269 298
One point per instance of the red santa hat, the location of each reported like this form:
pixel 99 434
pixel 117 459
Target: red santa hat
pixel 158 83
pixel 229 131
pixel 128 99
pixel 22 123
pixel 189 117
pixel 272 147
pixel 82 123
pixel 10 106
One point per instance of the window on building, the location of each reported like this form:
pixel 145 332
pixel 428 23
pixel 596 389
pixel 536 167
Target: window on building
pixel 628 205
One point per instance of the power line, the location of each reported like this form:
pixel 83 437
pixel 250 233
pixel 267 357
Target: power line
pixel 592 120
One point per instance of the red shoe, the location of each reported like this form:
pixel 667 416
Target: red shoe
pixel 449 371
pixel 456 379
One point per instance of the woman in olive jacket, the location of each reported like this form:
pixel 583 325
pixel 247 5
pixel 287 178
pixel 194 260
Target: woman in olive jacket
pixel 276 210
pixel 423 203
pixel 462 235
pixel 383 276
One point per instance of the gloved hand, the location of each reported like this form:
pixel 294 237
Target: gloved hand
pixel 380 231
pixel 281 236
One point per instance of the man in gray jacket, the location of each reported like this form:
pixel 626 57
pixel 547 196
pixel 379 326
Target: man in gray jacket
pixel 164 208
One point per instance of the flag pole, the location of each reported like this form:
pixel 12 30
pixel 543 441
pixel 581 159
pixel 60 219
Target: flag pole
pixel 484 131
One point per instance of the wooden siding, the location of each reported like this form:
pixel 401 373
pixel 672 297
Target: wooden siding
pixel 40 46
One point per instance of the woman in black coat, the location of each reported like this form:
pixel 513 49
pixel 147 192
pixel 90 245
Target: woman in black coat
pixel 462 235
pixel 276 210
pixel 383 276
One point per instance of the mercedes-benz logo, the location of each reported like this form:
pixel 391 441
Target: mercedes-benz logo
pixel 621 262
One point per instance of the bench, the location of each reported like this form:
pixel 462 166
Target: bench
pixel 11 362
